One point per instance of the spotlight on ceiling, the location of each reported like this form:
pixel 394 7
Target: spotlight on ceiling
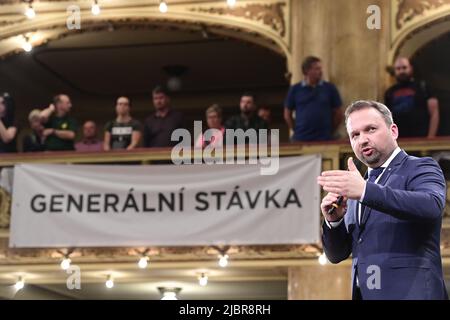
pixel 169 293
pixel 20 283
pixel 203 279
pixel 174 73
pixel 95 8
pixel 65 263
pixel 231 3
pixel 109 282
pixel 29 12
pixel 223 255
pixel 27 46
pixel 143 262
pixel 163 6
pixel 223 260
pixel 323 260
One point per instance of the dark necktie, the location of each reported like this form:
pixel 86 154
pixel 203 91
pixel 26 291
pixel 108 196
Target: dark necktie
pixel 373 175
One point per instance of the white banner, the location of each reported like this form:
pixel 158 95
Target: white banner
pixel 165 205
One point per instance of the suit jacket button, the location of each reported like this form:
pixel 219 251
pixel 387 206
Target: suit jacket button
pixel 360 240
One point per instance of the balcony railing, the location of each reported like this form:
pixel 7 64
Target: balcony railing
pixel 333 154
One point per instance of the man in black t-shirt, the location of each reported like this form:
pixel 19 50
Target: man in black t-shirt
pixel 248 117
pixel 158 127
pixel 415 110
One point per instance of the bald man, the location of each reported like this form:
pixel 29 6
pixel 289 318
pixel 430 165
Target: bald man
pixel 415 110
pixel 90 142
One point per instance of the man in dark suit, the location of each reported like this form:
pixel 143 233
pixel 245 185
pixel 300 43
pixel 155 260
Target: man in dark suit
pixel 390 220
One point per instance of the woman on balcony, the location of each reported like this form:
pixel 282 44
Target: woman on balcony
pixel 214 121
pixel 8 130
pixel 124 132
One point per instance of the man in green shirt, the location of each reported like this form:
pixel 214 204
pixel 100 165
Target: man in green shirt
pixel 60 128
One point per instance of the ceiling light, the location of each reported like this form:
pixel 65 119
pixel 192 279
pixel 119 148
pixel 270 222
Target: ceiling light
pixel 163 6
pixel 169 293
pixel 143 262
pixel 203 279
pixel 109 282
pixel 231 3
pixel 19 284
pixel 174 72
pixel 95 8
pixel 223 260
pixel 29 12
pixel 65 263
pixel 323 259
pixel 27 46
pixel 223 256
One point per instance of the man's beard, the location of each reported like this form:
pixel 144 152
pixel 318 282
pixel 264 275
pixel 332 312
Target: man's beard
pixel 374 158
pixel 160 107
pixel 402 78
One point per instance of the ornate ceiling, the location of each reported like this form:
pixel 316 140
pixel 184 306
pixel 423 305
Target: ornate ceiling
pixel 415 22
pixel 265 22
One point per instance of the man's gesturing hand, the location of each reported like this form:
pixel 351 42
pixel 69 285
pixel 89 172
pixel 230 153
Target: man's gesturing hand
pixel 349 184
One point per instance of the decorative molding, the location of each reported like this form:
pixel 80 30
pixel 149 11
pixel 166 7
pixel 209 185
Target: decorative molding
pixel 12 21
pixel 417 31
pixel 271 15
pixel 410 18
pixel 5 205
pixel 157 254
pixel 21 2
pixel 148 24
pixel 409 9
pixel 264 22
pixel 447 203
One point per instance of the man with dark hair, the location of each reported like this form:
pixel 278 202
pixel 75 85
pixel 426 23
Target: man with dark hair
pixel 159 126
pixel 60 128
pixel 414 108
pixel 317 105
pixel 160 90
pixel 248 118
pixel 265 113
pixel 308 63
pixel 390 220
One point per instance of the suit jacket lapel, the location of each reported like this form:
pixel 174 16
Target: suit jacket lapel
pixel 395 163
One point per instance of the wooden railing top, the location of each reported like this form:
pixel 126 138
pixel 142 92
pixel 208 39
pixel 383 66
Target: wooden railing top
pixel 146 155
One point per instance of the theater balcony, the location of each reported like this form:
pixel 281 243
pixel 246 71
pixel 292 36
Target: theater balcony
pixel 282 270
